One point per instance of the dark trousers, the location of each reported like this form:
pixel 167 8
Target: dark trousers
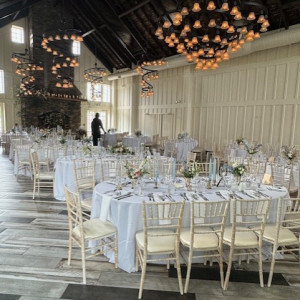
pixel 95 139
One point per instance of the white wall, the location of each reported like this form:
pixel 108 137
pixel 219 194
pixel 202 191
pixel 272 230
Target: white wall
pixel 11 80
pixel 255 96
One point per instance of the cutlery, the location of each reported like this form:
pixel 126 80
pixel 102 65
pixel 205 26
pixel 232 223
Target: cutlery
pixel 239 197
pixel 203 197
pixel 183 195
pixel 264 195
pixel 170 198
pixel 195 196
pixel 220 195
pixel 246 194
pixel 150 196
pixel 123 196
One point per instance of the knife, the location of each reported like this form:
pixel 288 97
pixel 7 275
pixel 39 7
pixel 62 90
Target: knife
pixel 123 196
pixel 203 197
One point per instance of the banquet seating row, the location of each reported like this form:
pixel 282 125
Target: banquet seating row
pixel 163 234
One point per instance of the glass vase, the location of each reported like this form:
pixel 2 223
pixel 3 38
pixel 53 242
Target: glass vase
pixel 188 184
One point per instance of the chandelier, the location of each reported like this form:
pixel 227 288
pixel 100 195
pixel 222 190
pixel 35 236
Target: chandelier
pixel 24 64
pixel 64 82
pixel 207 31
pixel 148 74
pixel 95 74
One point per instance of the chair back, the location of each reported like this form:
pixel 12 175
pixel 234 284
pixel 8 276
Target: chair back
pixel 23 153
pixel 35 163
pixel 203 168
pixel 208 213
pixel 162 219
pixel 256 168
pixel 74 211
pixel 282 174
pixel 191 157
pixel 155 139
pixel 247 214
pixel 84 175
pixel 112 168
pixel 288 215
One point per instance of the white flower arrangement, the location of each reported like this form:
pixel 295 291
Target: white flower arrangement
pixel 182 135
pixel 134 172
pixel 289 153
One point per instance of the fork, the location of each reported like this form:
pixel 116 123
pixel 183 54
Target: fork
pixel 220 195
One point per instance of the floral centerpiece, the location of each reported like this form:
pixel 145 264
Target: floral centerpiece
pixel 112 130
pixel 138 133
pixel 240 140
pixel 252 149
pixel 289 153
pixel 62 140
pixel 118 148
pixel 237 170
pixel 86 140
pixel 80 133
pixel 87 149
pixel 182 135
pixel 135 172
pixel 44 133
pixel 188 173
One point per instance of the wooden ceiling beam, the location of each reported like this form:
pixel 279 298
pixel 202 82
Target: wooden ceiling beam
pixel 125 26
pixel 127 12
pixel 117 37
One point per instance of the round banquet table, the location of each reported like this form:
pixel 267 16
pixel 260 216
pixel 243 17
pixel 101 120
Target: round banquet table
pixel 134 141
pixel 126 214
pixel 110 139
pixel 182 148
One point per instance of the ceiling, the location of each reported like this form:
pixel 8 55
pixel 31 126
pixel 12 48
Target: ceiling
pixel 120 32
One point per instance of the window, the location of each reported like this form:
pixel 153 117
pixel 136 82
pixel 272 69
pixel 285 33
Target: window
pixel 1 82
pixel 91 115
pixel 76 48
pixel 17 34
pixel 100 92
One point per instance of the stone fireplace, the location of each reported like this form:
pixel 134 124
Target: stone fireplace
pixel 60 106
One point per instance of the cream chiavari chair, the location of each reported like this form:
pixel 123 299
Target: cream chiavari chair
pixel 160 236
pixel 191 159
pixel 204 237
pixel 80 232
pixel 241 237
pixel 23 155
pixel 40 178
pixel 256 168
pixel 282 175
pixel 203 168
pixel 84 171
pixel 284 235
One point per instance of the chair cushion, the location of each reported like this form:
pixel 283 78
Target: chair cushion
pixel 95 229
pixel 243 239
pixel 201 241
pixel 46 176
pixel 157 244
pixel 286 236
pixel 293 216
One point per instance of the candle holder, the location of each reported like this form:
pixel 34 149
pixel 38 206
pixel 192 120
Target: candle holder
pixel 214 182
pixel 208 186
pixel 155 184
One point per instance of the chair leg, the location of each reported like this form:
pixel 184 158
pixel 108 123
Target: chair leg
pixel 260 268
pixel 221 268
pixel 136 258
pixel 228 269
pixel 116 251
pixel 179 272
pixel 70 249
pixel 83 264
pixel 188 271
pixel 143 266
pixel 34 187
pixel 272 266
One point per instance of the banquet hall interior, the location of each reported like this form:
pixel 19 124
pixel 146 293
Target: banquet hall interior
pixel 191 188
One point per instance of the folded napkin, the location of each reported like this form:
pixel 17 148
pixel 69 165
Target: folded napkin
pixel 105 208
pixel 267 179
pixel 163 210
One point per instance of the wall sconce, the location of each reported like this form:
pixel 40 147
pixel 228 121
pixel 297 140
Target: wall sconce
pixel 178 101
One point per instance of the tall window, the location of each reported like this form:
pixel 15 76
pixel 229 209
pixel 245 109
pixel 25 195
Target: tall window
pixel 17 34
pixel 2 82
pixel 100 92
pixel 76 48
pixel 91 116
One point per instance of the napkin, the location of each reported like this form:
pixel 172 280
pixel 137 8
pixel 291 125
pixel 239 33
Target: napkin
pixel 267 179
pixel 163 210
pixel 105 208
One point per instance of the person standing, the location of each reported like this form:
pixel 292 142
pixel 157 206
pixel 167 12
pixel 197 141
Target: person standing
pixel 96 125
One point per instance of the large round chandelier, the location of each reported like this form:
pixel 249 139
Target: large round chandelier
pixel 207 31
pixel 95 74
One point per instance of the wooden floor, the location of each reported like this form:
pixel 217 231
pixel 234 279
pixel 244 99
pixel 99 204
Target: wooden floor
pixel 33 259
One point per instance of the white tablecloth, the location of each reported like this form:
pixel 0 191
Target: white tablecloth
pixel 110 139
pixel 182 148
pixel 133 141
pixel 126 215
